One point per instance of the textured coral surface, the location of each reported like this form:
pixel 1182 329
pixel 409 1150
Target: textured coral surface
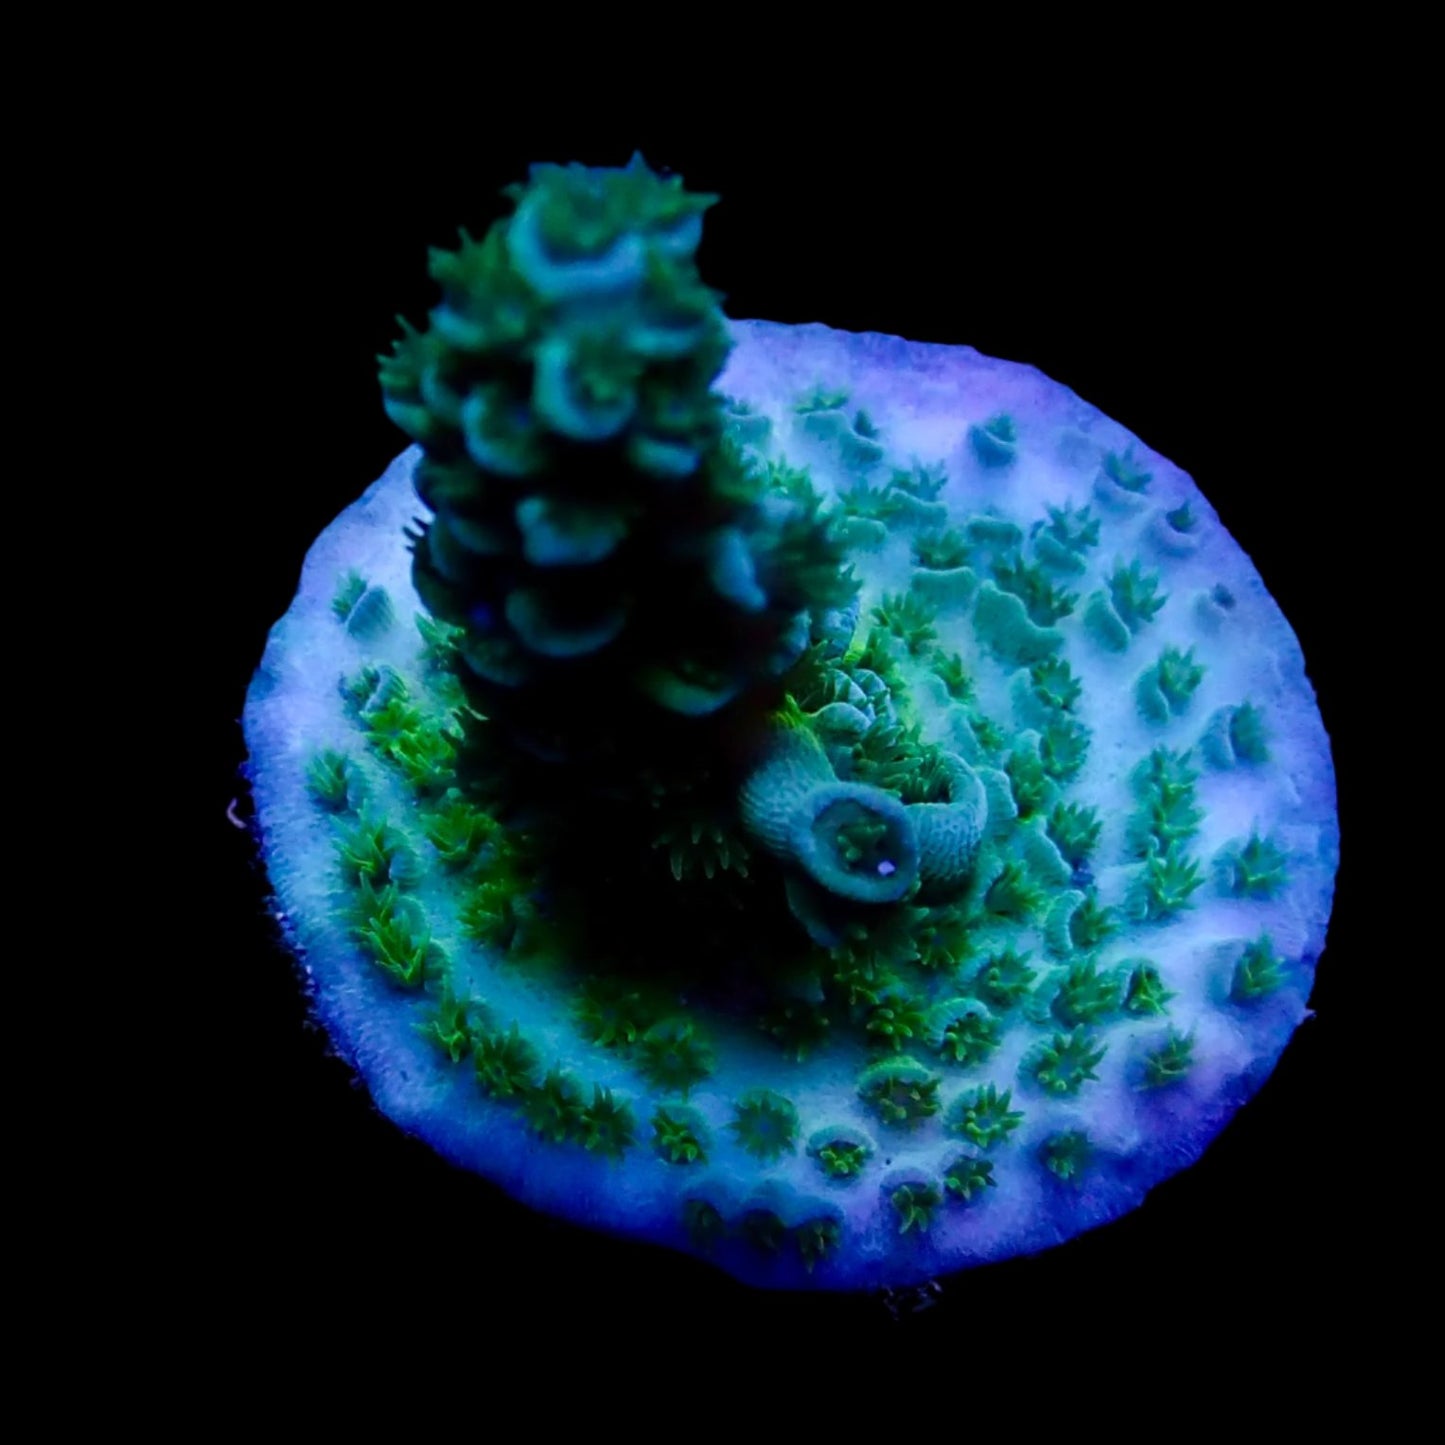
pixel 1114 764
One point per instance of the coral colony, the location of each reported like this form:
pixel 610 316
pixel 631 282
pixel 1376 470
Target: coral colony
pixel 832 804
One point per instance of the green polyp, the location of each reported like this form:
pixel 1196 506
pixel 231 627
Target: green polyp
pixel 1258 972
pixel 1045 603
pixel 1086 996
pixel 1166 688
pixel 950 670
pixel 612 1012
pixel 458 830
pixel 1062 541
pixel 678 1133
pixel 334 782
pixel 450 1025
pixel 766 1124
pixel 1077 923
pixel 1054 684
pixel 1066 1062
pixel 1168 1061
pixel 800 1027
pixel 1005 978
pixel 553 1108
pixel 1125 473
pixel 859 442
pixel 673 1056
pixel 506 1064
pixel 821 399
pixel 1248 734
pixel 1031 785
pixel 898 1020
pixel 1074 829
pixel 967 1177
pixel 840 1153
pixel 816 1240
pixel 1134 595
pixel 1236 735
pixel 1013 894
pixel 908 618
pixel 366 612
pixel 941 550
pixel 606 1126
pixel 967 1033
pixel 1063 748
pixel 1145 994
pixel 983 1116
pixel 915 1205
pixel 1166 885
pixel 900 1091
pixel 1066 1155
pixel 1253 868
pixel 398 941
pixel 376 854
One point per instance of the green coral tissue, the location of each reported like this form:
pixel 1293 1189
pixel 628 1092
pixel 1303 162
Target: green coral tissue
pixel 837 805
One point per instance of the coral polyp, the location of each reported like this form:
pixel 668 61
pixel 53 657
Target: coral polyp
pixel 838 806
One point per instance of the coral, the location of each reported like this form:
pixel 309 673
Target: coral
pixel 449 1026
pixel 553 1108
pixel 967 1176
pixel 841 1154
pixel 1169 1061
pixel 606 1125
pixel 1124 472
pixel 765 1123
pixel 1135 595
pixel 673 1056
pixel 677 1135
pixel 334 782
pixel 1005 978
pixel 1253 868
pixel 983 1116
pixel 967 1033
pixel 1166 688
pixel 900 1091
pixel 1167 883
pixel 817 1239
pixel 506 1063
pixel 914 1205
pixel 1054 683
pixel 1066 1062
pixel 1258 972
pixel 1066 1155
pixel 1074 829
pixel 800 1027
pixel 1085 996
pixel 1145 994
pixel 748 784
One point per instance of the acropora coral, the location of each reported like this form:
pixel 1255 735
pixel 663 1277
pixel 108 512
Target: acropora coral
pixel 839 806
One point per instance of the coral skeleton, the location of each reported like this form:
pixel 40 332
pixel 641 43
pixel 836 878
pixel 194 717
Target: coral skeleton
pixel 838 806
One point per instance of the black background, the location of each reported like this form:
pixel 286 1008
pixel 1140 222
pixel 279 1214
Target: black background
pixel 1172 280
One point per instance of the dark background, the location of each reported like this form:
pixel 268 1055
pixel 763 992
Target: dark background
pixel 1174 281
